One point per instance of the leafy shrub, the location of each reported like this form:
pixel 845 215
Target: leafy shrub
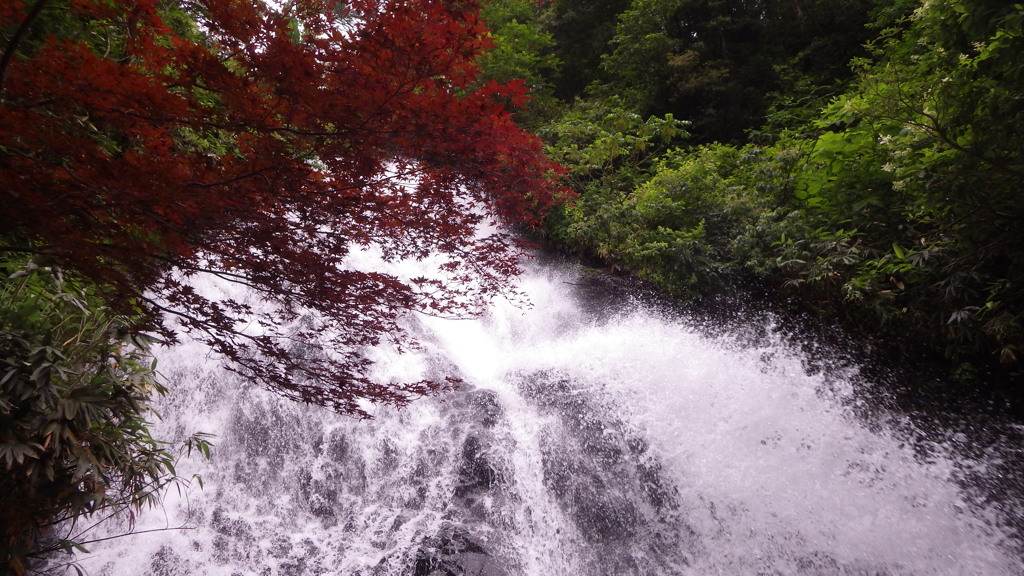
pixel 74 386
pixel 609 151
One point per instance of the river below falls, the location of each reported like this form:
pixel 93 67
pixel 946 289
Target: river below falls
pixel 593 436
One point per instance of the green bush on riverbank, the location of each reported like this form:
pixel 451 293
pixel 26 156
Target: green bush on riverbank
pixel 74 391
pixel 879 184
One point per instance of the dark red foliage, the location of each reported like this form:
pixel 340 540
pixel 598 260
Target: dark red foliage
pixel 262 146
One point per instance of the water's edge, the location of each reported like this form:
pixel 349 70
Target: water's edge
pixel 593 436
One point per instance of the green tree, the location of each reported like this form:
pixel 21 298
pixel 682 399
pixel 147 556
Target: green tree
pixel 945 89
pixel 75 384
pixel 722 64
pixel 610 150
pixel 523 50
pixel 882 191
pixel 907 214
pixel 582 30
pixel 687 228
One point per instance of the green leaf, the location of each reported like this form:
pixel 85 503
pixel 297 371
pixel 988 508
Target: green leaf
pixel 17 453
pixel 70 546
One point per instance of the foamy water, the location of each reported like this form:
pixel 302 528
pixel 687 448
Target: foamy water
pixel 585 442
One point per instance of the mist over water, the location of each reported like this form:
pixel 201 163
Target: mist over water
pixel 590 437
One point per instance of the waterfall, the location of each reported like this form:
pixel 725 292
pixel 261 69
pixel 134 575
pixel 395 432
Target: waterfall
pixel 592 436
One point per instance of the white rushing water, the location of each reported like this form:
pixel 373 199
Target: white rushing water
pixel 587 440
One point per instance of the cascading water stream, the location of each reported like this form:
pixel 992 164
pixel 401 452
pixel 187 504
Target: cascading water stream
pixel 588 439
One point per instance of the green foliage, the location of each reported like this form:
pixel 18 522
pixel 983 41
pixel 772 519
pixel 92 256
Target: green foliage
pixel 522 50
pixel 883 185
pixel 928 173
pixel 723 64
pixel 609 151
pixel 74 386
pixel 645 54
pixel 605 140
pixel 686 228
pixel 582 30
pixel 687 221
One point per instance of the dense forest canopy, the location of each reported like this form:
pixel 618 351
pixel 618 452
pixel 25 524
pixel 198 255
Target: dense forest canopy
pixel 862 158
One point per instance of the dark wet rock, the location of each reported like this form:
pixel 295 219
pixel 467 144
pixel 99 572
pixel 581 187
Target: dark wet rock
pixel 606 517
pixel 476 407
pixel 234 539
pixel 592 497
pixel 280 547
pixel 233 527
pixel 335 446
pixel 304 560
pixel 481 480
pixel 655 490
pixel 637 445
pixel 168 563
pixel 264 433
pixel 454 552
pixel 296 567
pixel 388 455
pixel 268 441
pixel 545 388
pixel 600 291
pixel 606 482
pixel 320 496
pixel 486 406
pixel 476 471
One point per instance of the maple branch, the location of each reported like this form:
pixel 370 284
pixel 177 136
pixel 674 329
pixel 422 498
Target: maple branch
pixel 210 327
pixel 220 156
pixel 39 250
pixel 238 279
pixel 19 35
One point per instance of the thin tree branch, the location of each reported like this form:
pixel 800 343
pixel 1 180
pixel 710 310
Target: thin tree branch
pixel 19 35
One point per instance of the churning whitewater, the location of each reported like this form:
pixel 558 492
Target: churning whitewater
pixel 590 438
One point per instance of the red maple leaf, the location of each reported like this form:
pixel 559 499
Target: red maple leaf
pixel 260 145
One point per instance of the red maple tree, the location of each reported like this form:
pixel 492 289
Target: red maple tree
pixel 144 142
